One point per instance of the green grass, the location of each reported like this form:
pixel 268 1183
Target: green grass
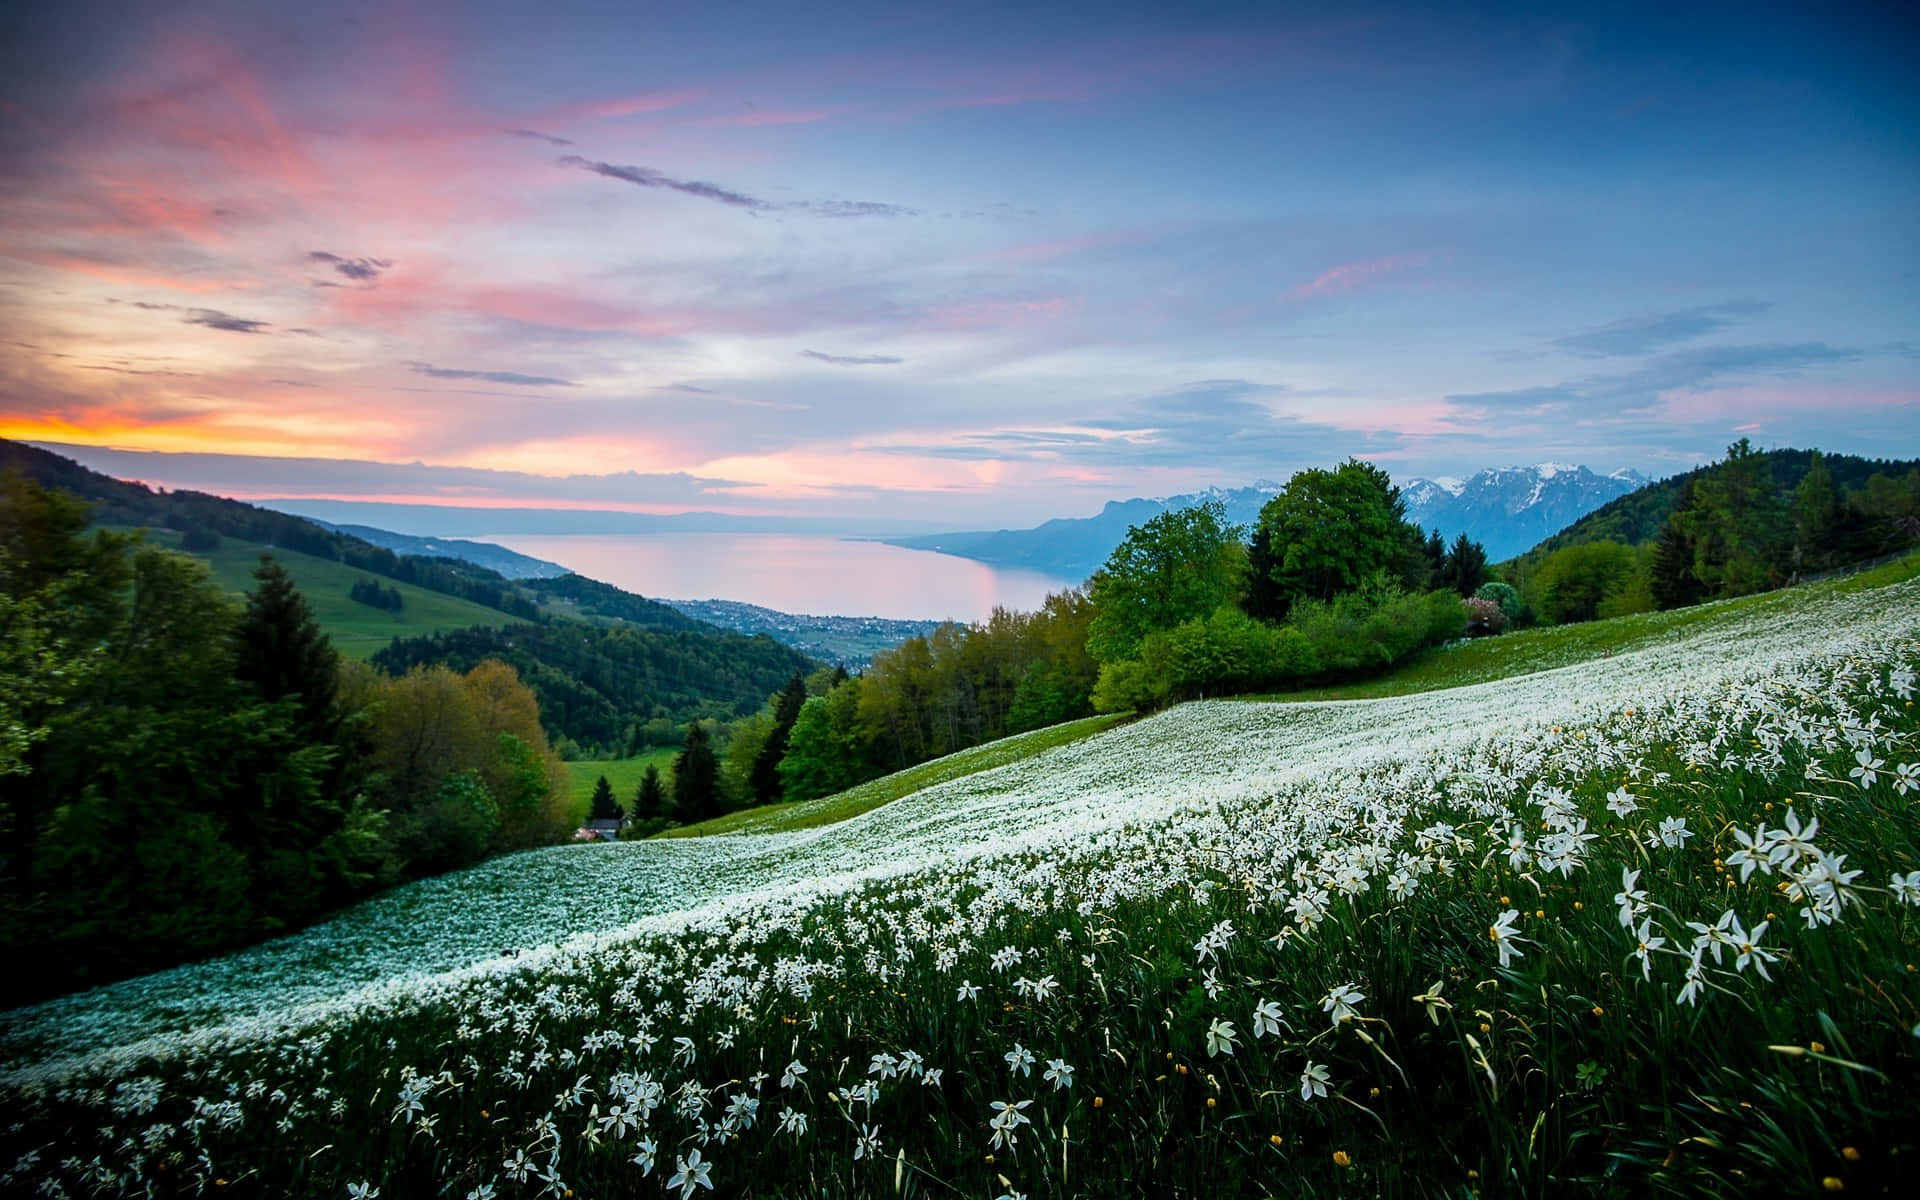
pixel 357 630
pixel 1542 649
pixel 622 773
pixel 809 814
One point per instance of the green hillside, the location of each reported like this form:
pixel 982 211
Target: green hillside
pixel 1638 927
pixel 623 775
pixel 357 630
pixel 1635 518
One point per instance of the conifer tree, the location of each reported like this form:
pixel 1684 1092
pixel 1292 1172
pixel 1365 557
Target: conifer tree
pixel 650 800
pixel 696 777
pixel 282 652
pixel 605 807
pixel 765 778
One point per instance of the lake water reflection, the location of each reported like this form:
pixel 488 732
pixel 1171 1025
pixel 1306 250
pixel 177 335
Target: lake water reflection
pixel 792 573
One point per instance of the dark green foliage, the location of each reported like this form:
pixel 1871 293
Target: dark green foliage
pixel 765 778
pixel 595 683
pixel 1175 567
pixel 180 775
pixel 1463 567
pixel 583 597
pixel 696 776
pixel 1674 584
pixel 374 595
pixel 1502 594
pixel 280 650
pixel 650 799
pixel 199 541
pixel 603 807
pixel 1637 518
pixel 1329 532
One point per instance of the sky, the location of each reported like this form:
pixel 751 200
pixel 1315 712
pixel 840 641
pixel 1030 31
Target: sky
pixel 946 264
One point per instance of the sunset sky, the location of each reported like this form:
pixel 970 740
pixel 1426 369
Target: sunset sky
pixel 949 263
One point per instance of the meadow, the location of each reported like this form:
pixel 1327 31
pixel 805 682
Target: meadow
pixel 1642 923
pixel 623 775
pixel 357 630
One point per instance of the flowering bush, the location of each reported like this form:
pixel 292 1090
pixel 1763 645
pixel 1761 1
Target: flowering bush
pixel 1484 616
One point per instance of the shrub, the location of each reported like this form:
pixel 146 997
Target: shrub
pixel 1485 617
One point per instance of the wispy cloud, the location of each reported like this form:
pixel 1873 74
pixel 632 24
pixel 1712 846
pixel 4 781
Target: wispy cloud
pixel 647 177
pixel 536 135
pixel 688 388
pixel 213 318
pixel 360 270
pixel 513 377
pixel 1640 390
pixel 1351 277
pixel 853 360
pixel 1650 331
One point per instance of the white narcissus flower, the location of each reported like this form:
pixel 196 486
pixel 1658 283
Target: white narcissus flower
pixel 1339 1004
pixel 1505 933
pixel 1267 1019
pixel 1220 1038
pixel 1314 1081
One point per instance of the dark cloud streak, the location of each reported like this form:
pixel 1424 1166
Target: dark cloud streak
pixel 213 318
pixel 536 135
pixel 360 270
pixel 512 377
pixel 853 360
pixel 647 177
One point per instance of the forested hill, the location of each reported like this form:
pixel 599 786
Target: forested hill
pixel 197 514
pixel 612 671
pixel 1636 518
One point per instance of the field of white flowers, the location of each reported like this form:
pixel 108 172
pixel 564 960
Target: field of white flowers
pixel 1642 923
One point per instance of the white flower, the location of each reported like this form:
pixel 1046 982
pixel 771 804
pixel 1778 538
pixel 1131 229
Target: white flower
pixel 793 1121
pixel 1906 777
pixel 1314 1080
pixel 1019 1059
pixel 361 1191
pixel 1747 946
pixel 644 1155
pixel 692 1173
pixel 1059 1074
pixel 1647 944
pixel 1620 803
pixel 1220 1038
pixel 968 991
pixel 1267 1019
pixel 1674 832
pixel 482 1192
pixel 1631 898
pixel 791 1076
pixel 1339 1003
pixel 1504 934
pixel 1906 888
pixel 1867 770
pixel 868 1144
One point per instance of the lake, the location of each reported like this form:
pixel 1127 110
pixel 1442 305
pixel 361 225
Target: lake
pixel 792 573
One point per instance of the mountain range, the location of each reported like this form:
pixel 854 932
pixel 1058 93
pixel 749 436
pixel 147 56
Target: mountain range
pixel 1505 509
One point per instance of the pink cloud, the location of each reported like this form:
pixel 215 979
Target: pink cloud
pixel 1352 277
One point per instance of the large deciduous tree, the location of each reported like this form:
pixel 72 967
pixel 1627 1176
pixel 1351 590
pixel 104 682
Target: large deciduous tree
pixel 1328 532
pixel 1176 567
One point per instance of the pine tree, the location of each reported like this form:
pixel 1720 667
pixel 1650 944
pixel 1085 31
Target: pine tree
pixel 696 777
pixel 765 778
pixel 1674 584
pixel 1816 517
pixel 650 801
pixel 282 652
pixel 1466 566
pixel 605 807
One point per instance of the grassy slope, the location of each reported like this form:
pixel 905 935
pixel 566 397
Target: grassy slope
pixel 623 773
pixel 358 630
pixel 809 814
pixel 1543 649
pixel 1514 654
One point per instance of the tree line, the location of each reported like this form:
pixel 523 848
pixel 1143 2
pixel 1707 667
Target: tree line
pixel 1332 581
pixel 181 774
pixel 1751 522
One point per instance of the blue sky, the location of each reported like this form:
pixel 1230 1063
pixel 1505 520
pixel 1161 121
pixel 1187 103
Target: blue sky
pixel 959 266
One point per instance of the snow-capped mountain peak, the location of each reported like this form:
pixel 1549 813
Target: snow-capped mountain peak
pixel 1511 509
